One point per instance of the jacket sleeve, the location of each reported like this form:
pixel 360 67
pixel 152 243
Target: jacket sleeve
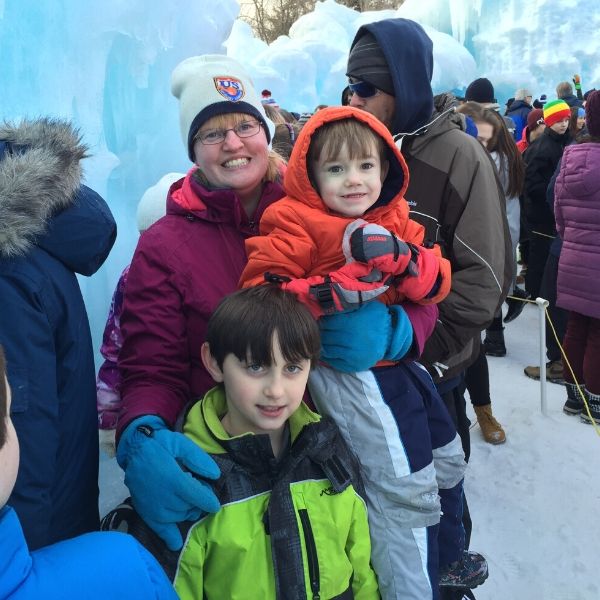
pixel 434 275
pixel 79 568
pixel 28 338
pixel 189 578
pixel 108 382
pixel 154 361
pixel 358 550
pixel 283 248
pixel 551 200
pixel 480 254
pixel 538 172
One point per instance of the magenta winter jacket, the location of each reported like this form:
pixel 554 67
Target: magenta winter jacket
pixel 182 267
pixel 577 211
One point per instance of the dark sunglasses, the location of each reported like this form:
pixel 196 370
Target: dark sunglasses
pixel 363 89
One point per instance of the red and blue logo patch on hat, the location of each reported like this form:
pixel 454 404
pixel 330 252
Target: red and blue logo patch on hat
pixel 231 88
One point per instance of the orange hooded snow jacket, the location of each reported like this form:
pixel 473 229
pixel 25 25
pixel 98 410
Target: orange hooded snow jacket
pixel 301 236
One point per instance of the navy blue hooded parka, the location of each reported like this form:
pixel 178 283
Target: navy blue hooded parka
pixel 51 227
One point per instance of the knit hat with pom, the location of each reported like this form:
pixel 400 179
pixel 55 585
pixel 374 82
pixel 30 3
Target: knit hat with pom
pixel 592 114
pixel 153 204
pixel 556 111
pixel 211 85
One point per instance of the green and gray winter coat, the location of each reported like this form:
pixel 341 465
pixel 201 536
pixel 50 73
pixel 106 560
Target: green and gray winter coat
pixel 293 528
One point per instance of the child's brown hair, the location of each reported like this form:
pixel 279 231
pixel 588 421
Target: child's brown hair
pixel 244 323
pixel 358 138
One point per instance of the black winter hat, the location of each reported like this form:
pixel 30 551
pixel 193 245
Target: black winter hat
pixel 592 114
pixel 481 90
pixel 366 62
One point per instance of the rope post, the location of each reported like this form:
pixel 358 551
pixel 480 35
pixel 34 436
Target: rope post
pixel 542 305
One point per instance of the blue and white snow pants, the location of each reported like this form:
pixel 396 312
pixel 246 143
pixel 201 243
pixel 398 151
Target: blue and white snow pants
pixel 400 430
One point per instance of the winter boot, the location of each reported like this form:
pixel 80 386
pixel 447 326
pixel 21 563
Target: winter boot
pixel 574 403
pixel 515 304
pixel 490 428
pixel 493 343
pixel 554 372
pixel 593 401
pixel 468 572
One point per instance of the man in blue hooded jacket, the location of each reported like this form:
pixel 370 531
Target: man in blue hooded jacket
pixel 51 227
pixel 454 193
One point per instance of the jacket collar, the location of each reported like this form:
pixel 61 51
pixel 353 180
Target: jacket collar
pixel 204 427
pixel 189 197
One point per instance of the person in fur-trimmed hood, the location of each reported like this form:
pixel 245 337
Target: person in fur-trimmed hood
pixel 51 227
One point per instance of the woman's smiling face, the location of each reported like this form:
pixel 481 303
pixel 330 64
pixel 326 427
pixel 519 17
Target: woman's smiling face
pixel 236 163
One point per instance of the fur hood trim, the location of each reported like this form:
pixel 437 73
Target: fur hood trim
pixel 40 173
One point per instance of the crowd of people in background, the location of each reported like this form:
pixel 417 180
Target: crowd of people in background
pixel 287 357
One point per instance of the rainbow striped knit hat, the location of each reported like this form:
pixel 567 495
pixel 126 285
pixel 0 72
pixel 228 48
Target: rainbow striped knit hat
pixel 556 111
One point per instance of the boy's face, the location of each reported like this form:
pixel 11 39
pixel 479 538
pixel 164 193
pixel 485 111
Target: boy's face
pixel 561 126
pixel 9 455
pixel 350 186
pixel 260 398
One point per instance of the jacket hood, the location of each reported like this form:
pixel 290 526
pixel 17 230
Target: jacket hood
pixel 189 197
pixel 40 177
pixel 409 54
pixel 516 105
pixel 297 183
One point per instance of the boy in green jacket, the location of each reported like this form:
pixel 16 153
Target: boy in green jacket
pixel 293 522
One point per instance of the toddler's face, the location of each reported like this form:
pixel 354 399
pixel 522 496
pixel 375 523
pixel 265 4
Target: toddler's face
pixel 350 186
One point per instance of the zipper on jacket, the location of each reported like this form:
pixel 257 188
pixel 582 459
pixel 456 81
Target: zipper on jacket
pixel 311 553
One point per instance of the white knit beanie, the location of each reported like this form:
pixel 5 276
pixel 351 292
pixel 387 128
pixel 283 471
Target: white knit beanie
pixel 211 85
pixel 153 204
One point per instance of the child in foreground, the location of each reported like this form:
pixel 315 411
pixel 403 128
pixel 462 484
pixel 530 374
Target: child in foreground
pixel 293 522
pixel 94 565
pixel 342 236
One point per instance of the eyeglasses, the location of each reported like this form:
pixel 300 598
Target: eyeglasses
pixel 245 129
pixel 363 89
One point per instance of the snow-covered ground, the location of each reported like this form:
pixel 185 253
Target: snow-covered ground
pixel 532 500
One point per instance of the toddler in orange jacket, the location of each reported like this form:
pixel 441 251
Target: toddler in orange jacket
pixel 344 216
pixel 341 237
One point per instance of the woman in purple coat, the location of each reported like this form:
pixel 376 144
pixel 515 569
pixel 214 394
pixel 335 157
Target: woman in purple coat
pixel 577 211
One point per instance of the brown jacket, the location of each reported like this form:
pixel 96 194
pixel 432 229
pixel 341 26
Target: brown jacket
pixel 454 192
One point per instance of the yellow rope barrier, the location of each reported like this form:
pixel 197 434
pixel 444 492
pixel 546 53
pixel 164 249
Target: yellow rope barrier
pixel 581 393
